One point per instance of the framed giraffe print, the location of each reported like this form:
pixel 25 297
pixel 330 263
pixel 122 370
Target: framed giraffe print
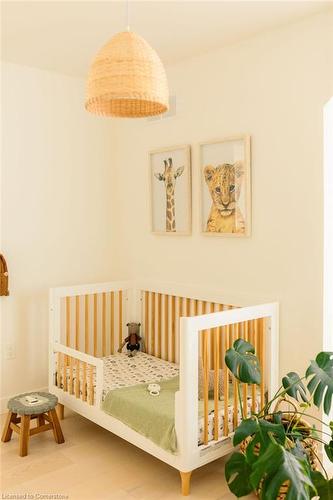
pixel 226 187
pixel 170 190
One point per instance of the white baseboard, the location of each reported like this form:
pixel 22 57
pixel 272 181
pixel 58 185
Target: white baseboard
pixel 4 401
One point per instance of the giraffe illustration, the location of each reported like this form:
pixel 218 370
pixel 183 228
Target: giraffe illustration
pixel 169 177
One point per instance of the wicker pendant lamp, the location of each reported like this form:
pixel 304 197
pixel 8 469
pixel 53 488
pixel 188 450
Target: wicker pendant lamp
pixel 127 79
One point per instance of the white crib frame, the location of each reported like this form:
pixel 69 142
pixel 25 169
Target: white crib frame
pixel 189 455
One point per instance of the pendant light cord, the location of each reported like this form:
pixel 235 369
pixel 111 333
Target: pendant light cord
pixel 127 15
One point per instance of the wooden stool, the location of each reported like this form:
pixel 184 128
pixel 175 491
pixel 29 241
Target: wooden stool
pixel 22 412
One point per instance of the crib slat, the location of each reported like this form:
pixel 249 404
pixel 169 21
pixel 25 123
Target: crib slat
pixel 84 381
pixel 196 312
pixel 61 370
pixel 178 316
pixel 245 326
pixel 77 322
pixel 188 307
pixel 173 328
pixel 223 366
pixel 68 321
pixel 95 324
pixel 77 379
pixel 159 324
pixel 231 332
pixel 68 336
pixel 152 323
pixel 207 311
pixel 120 318
pixel 205 385
pixel 77 345
pixel 226 335
pixel 166 327
pixel 216 381
pixel 70 375
pixel 201 309
pixel 262 360
pixel 254 343
pixel 64 373
pixel 204 310
pixel 235 415
pixel 68 340
pixel 58 378
pixel 86 324
pixel 91 384
pixel 220 308
pixel 192 307
pixel 104 324
pixel 112 322
pixel 146 319
pixel 181 307
pixel 211 337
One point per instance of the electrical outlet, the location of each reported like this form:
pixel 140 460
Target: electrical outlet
pixel 10 351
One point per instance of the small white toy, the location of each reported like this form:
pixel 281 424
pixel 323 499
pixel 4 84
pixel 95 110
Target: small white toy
pixel 31 400
pixel 154 389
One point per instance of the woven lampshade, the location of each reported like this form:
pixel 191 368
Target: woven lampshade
pixel 127 79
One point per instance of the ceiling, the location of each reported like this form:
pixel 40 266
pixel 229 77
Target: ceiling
pixel 63 36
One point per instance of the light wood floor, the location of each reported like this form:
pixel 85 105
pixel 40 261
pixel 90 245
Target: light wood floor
pixel 94 464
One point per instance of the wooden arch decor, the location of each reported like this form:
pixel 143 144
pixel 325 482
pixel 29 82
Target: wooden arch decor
pixel 3 276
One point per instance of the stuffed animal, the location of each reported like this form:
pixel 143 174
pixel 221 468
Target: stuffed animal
pixel 133 339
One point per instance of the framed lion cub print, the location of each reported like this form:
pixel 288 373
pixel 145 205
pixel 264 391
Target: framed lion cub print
pixel 226 187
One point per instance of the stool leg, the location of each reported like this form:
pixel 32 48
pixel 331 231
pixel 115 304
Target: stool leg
pixel 7 430
pixel 57 432
pixel 24 435
pixel 60 410
pixel 41 420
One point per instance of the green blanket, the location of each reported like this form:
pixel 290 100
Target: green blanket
pixel 153 417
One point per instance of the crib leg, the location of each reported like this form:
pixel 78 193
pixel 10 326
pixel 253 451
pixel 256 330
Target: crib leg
pixel 185 478
pixel 60 411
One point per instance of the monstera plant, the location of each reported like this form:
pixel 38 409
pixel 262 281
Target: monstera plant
pixel 276 446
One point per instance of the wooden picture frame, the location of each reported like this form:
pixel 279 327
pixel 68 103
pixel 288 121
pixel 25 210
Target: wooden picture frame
pixel 225 187
pixel 170 180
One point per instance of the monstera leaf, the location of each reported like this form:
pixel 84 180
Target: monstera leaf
pixel 329 450
pixel 320 385
pixel 276 466
pixel 237 473
pixel 294 386
pixel 323 486
pixel 246 428
pixel 263 430
pixel 242 362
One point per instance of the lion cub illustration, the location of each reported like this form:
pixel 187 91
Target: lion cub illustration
pixel 224 183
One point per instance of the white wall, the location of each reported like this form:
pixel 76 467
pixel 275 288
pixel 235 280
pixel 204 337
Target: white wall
pixel 272 86
pixel 56 209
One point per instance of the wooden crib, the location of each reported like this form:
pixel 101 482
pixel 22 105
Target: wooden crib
pixel 185 325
